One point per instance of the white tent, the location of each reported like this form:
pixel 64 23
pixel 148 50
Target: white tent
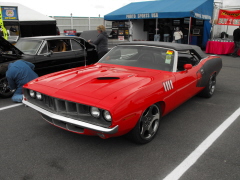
pixel 27 15
pixel 29 22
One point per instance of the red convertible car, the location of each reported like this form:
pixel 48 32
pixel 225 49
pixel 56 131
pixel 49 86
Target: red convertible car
pixel 126 92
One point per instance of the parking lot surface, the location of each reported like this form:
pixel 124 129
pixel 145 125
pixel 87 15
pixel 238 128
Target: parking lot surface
pixel 32 149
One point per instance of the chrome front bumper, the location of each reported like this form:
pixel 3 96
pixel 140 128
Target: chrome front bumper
pixel 72 121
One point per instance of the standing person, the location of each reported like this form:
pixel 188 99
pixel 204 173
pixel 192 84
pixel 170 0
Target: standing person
pixel 166 33
pixel 185 35
pixel 178 35
pixel 19 73
pixel 101 41
pixel 236 39
pixel 157 36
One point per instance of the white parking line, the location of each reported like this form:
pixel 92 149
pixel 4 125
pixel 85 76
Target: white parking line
pixel 193 157
pixel 8 107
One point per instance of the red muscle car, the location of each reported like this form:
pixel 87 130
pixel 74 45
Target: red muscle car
pixel 126 92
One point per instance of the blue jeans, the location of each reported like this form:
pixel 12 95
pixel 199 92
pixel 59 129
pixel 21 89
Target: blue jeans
pixel 178 41
pixel 166 37
pixel 17 96
pixel 156 37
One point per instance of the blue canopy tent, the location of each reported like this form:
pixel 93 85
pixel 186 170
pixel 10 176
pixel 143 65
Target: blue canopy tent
pixel 200 9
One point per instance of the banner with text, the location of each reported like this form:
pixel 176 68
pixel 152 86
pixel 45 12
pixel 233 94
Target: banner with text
pixel 229 17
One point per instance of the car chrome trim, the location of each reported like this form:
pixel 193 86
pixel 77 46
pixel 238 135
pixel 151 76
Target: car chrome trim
pixel 175 61
pixel 72 121
pixel 161 47
pixel 168 85
pixel 39 50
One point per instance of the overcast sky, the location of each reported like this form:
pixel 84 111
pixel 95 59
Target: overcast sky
pixel 84 8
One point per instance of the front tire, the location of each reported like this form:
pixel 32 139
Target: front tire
pixel 5 91
pixel 147 126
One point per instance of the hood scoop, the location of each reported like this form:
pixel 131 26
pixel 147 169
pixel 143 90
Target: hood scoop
pixel 107 78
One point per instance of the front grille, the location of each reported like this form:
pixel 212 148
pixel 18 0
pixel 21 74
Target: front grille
pixel 49 101
pixel 66 108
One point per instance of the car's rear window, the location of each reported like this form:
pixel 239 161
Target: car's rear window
pixel 141 56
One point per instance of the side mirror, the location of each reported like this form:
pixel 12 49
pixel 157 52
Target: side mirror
pixel 187 66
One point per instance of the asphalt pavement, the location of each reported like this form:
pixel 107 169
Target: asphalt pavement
pixel 32 149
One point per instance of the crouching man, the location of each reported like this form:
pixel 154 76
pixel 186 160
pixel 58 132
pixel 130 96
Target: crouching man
pixel 19 73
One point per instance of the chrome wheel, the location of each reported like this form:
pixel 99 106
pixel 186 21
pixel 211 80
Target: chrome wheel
pixel 212 85
pixel 209 90
pixel 149 122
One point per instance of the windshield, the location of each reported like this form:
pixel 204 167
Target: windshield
pixel 141 56
pixel 28 46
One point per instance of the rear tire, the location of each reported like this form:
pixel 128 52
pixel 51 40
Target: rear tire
pixel 147 126
pixel 209 90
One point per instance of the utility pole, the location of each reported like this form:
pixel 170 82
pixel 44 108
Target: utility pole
pixel 71 22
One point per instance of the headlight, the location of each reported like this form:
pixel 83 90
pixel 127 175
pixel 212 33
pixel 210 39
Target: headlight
pixel 32 93
pixel 107 116
pixel 95 112
pixel 39 96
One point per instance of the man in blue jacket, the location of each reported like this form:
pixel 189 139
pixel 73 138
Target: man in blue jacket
pixel 19 73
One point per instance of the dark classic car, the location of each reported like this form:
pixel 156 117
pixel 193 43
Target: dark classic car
pixel 48 54
pixel 126 92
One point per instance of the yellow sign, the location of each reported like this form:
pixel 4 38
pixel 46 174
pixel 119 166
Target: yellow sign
pixel 5 34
